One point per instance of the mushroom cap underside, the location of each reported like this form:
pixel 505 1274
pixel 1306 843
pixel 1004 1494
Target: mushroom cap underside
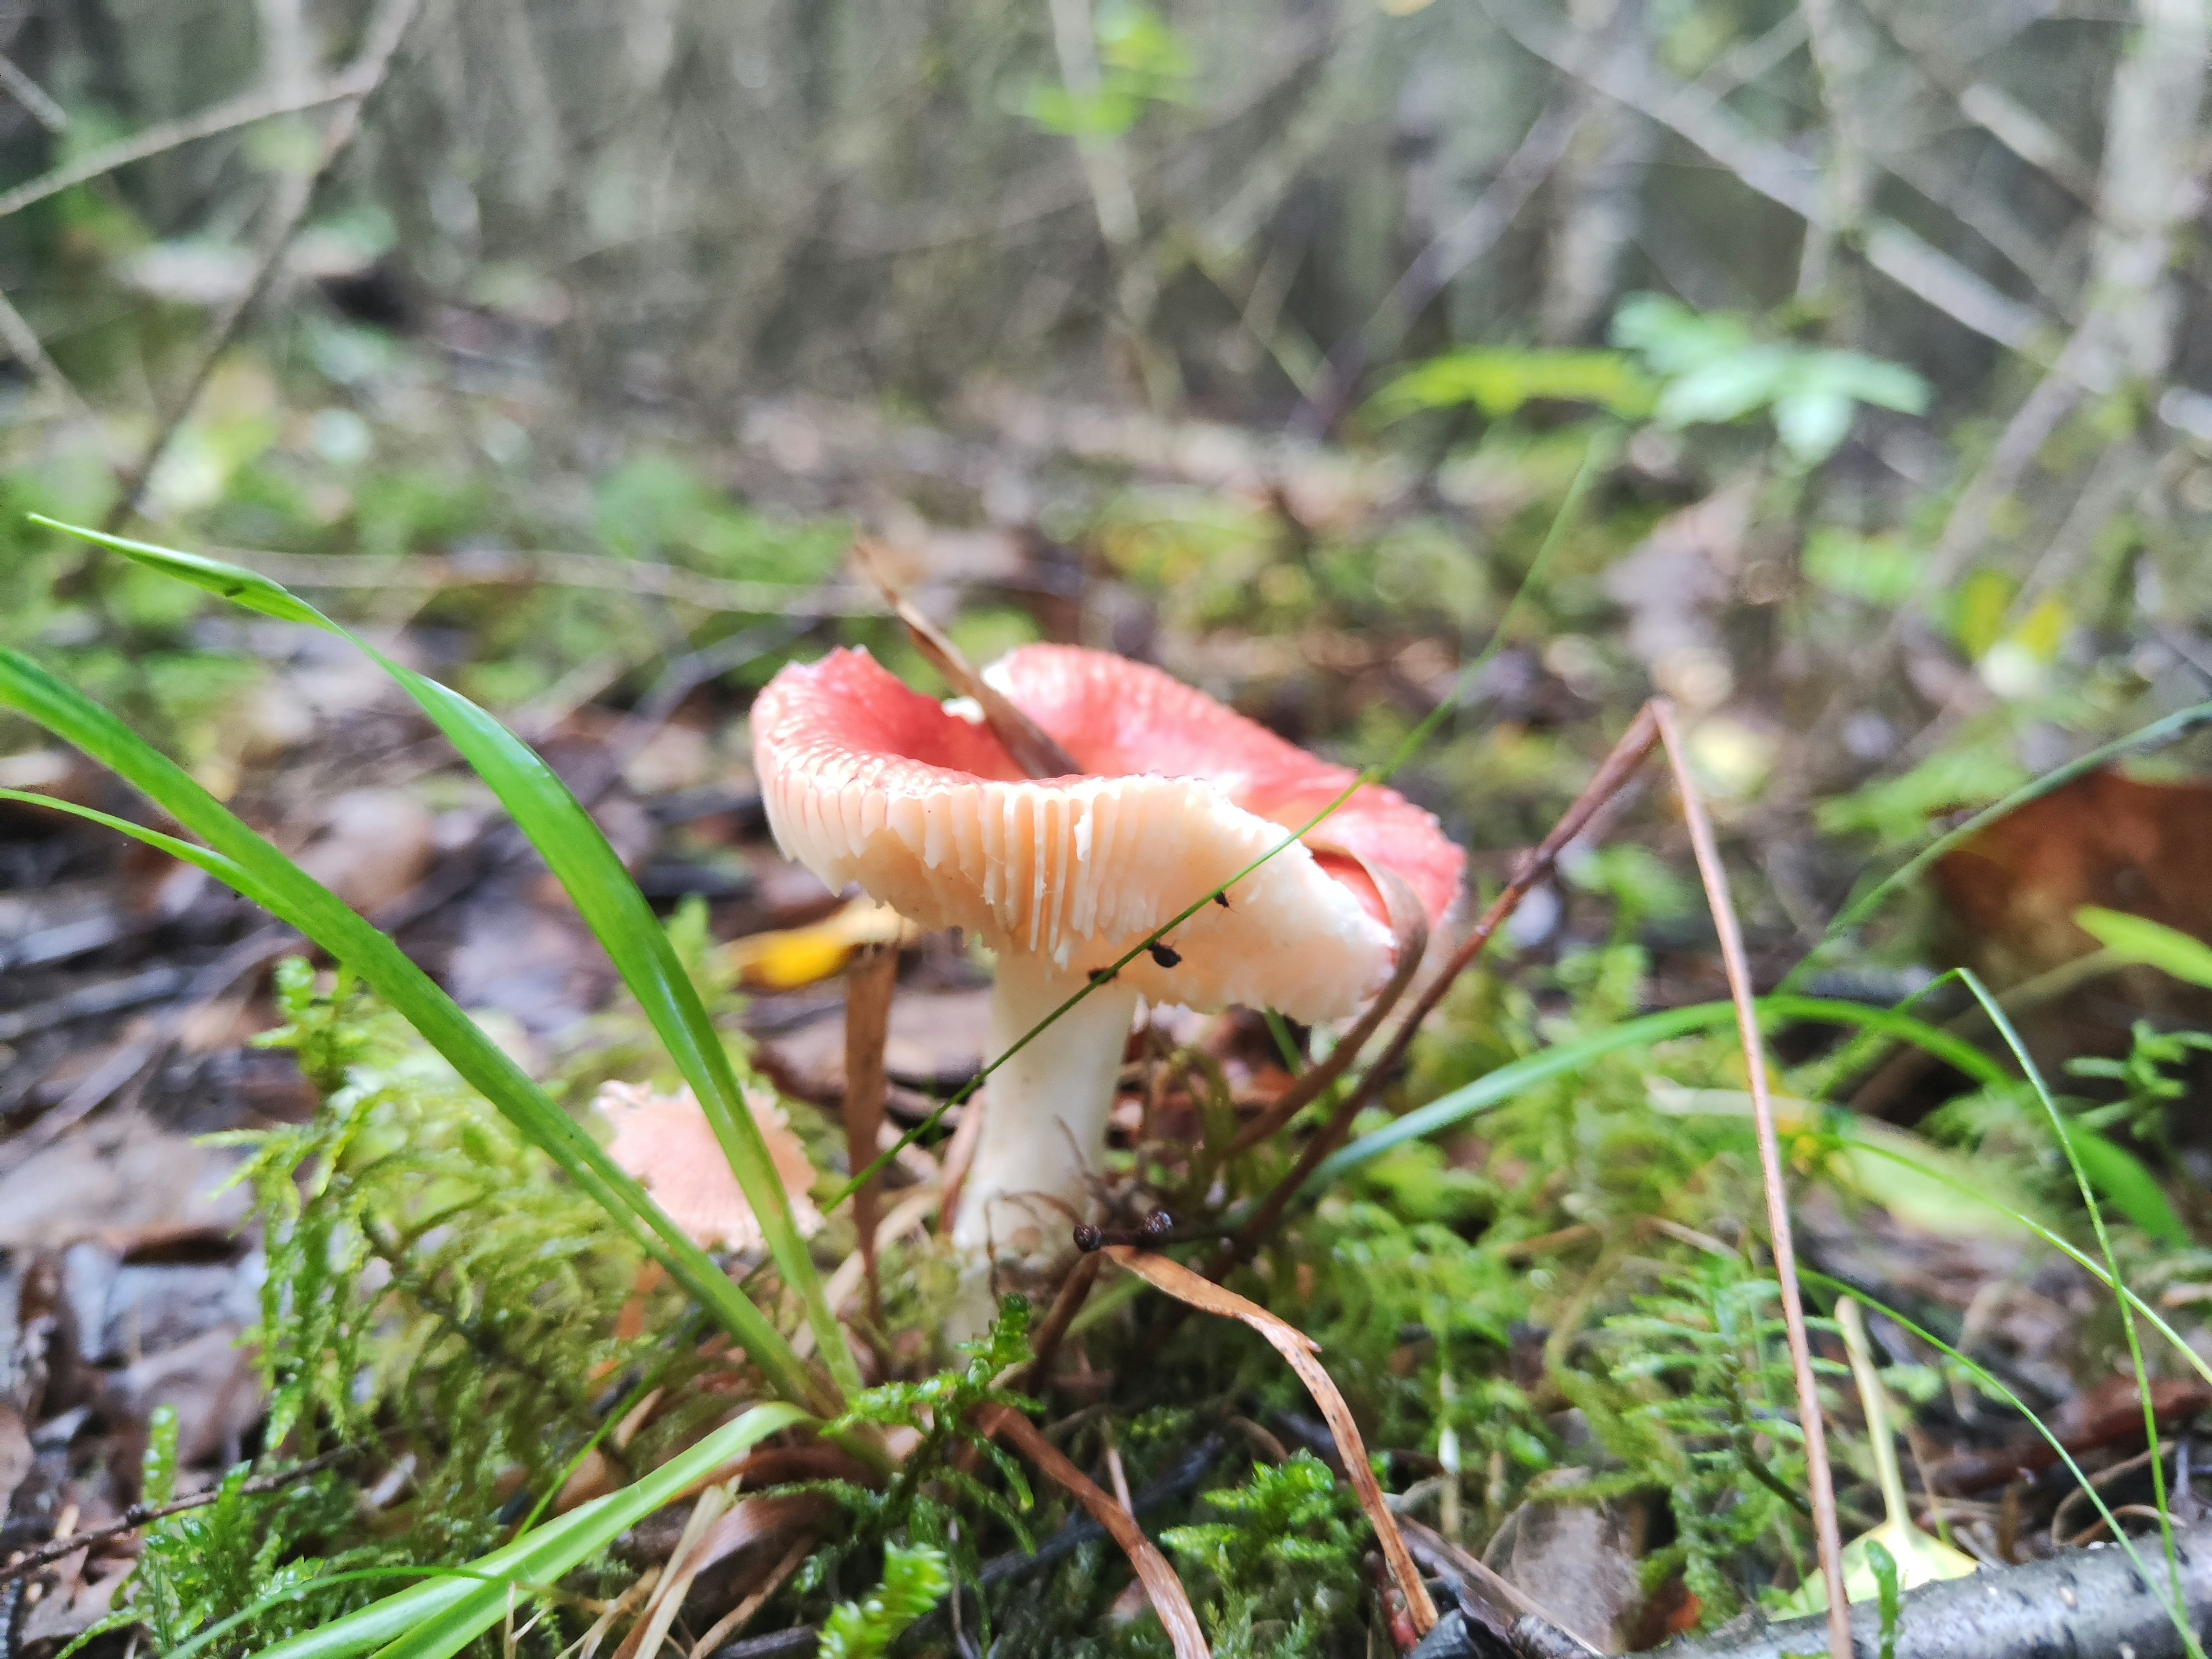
pixel 866 780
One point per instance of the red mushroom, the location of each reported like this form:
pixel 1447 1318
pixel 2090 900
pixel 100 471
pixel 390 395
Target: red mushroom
pixel 867 782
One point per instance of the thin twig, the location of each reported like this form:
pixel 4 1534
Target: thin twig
pixel 869 985
pixel 1074 1291
pixel 1627 755
pixel 1308 1086
pixel 1902 255
pixel 386 28
pixel 141 1515
pixel 1826 1531
pixel 171 135
pixel 22 342
pixel 31 97
pixel 1453 249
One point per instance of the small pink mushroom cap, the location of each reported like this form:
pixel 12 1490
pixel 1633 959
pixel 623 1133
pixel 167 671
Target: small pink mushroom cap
pixel 866 781
pixel 665 1141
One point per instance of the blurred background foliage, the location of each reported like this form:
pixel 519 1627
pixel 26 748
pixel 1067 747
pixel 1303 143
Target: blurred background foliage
pixel 1260 339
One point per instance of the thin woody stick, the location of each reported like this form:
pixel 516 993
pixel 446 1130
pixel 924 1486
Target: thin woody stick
pixel 1619 767
pixel 1828 1534
pixel 868 986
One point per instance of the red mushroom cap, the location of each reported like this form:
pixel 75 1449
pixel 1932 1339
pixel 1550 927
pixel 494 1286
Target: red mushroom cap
pixel 866 781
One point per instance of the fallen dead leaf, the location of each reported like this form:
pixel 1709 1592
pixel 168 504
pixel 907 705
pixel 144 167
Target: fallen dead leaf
pixel 665 1141
pixel 210 1381
pixel 372 846
pixel 16 1454
pixel 1169 1598
pixel 1580 1560
pixel 1298 1350
pixel 785 960
pixel 116 1175
pixel 2105 840
pixel 936 1043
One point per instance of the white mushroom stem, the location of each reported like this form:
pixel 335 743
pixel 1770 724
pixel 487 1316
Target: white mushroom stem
pixel 1042 1149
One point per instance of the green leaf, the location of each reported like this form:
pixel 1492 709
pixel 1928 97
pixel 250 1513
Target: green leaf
pixel 437 1618
pixel 1811 425
pixel 1498 382
pixel 618 914
pixel 2119 1176
pixel 2139 939
pixel 1725 388
pixel 1866 380
pixel 250 866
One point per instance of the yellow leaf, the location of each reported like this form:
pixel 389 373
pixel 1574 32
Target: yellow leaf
pixel 802 956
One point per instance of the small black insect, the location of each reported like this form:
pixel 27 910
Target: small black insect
pixel 1099 975
pixel 1165 956
pixel 1222 899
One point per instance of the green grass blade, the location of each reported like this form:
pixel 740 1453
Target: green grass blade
pixel 2176 1609
pixel 2080 1257
pixel 579 855
pixel 432 1621
pixel 2140 939
pixel 1496 1088
pixel 237 856
pixel 2072 1142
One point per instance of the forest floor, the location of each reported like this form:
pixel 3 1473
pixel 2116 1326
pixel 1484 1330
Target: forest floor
pixel 1553 1312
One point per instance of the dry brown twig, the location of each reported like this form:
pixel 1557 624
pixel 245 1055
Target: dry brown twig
pixel 869 984
pixel 172 134
pixel 1827 1533
pixel 142 1515
pixel 1611 777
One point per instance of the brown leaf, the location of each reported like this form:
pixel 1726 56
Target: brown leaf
pixel 2104 839
pixel 372 846
pixel 1169 1598
pixel 665 1141
pixel 1298 1349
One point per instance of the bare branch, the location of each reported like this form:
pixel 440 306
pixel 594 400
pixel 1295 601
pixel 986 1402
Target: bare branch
pixel 386 28
pixel 1701 120
pixel 172 134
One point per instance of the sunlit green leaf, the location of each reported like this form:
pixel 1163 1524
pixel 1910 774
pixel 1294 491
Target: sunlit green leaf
pixel 2140 939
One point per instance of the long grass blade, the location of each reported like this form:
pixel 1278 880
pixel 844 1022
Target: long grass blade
pixel 237 856
pixel 579 856
pixel 2058 1242
pixel 437 1618
pixel 2067 1139
pixel 1517 1077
